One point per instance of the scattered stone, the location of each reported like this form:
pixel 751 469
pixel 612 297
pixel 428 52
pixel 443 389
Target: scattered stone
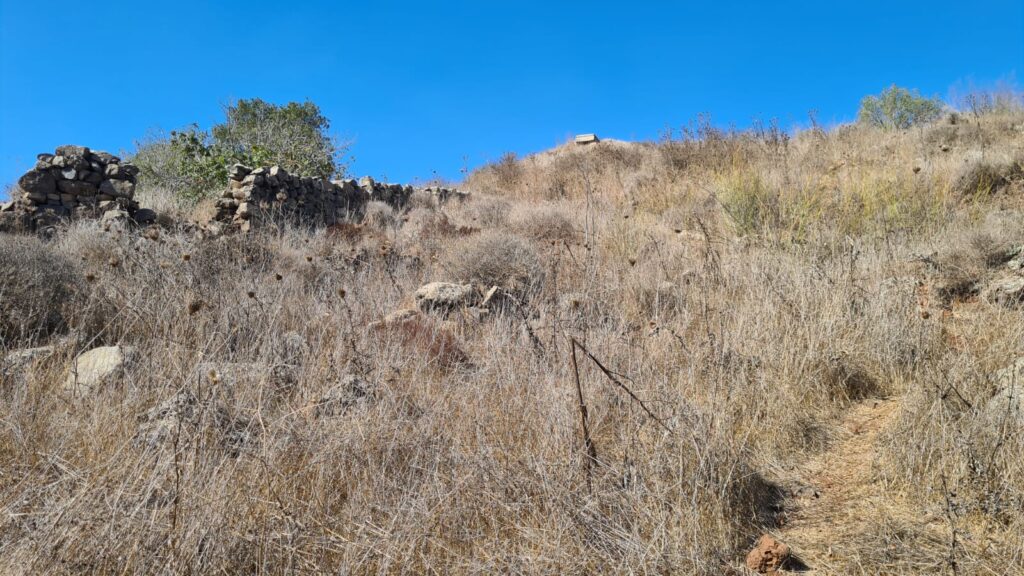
pixel 178 419
pixel 234 375
pixel 160 423
pixel 444 297
pixel 14 364
pixel 1008 291
pixel 768 556
pixel 97 367
pixel 114 221
pixel 145 216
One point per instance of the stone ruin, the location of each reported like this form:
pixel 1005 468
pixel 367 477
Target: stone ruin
pixel 255 196
pixel 78 183
pixel 73 183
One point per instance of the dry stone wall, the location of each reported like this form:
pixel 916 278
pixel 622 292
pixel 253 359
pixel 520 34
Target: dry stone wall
pixel 255 196
pixel 74 182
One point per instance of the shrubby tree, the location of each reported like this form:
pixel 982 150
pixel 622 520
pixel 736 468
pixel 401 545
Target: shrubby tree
pixel 192 163
pixel 899 108
pixel 294 136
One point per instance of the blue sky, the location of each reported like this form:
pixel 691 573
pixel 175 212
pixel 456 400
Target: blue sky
pixel 425 89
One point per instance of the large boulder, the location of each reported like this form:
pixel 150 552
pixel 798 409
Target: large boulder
pixel 38 182
pixel 444 297
pixel 97 367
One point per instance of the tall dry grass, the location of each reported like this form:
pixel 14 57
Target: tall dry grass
pixel 746 287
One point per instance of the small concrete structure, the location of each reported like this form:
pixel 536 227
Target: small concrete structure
pixel 583 139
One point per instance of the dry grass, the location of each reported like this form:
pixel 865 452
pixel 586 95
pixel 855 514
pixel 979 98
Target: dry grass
pixel 750 289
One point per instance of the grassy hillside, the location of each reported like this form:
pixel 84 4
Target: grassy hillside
pixel 743 304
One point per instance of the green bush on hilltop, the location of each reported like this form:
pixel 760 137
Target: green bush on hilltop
pixel 899 108
pixel 192 163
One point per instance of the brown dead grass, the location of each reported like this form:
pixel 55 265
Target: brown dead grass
pixel 758 292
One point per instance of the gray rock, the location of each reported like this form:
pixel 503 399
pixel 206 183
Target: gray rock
pixel 444 296
pixel 145 216
pixel 70 151
pixel 1008 291
pixel 93 177
pixel 118 188
pixel 16 362
pixel 37 182
pixel 98 367
pixel 115 221
pixel 239 171
pixel 112 170
pixel 76 187
pixel 105 157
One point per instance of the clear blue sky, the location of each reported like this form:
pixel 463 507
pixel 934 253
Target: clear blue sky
pixel 422 87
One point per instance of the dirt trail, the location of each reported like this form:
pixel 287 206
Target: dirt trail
pixel 836 488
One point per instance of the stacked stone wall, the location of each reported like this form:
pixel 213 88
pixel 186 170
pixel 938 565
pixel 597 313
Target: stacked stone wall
pixel 73 183
pixel 255 196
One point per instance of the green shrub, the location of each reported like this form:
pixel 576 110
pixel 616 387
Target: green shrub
pixel 899 108
pixel 192 163
pixel 294 136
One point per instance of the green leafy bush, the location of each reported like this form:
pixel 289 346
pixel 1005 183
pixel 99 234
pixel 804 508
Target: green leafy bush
pixel 193 163
pixel 899 108
pixel 294 136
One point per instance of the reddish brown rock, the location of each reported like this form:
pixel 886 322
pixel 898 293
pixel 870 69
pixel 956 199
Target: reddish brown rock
pixel 768 556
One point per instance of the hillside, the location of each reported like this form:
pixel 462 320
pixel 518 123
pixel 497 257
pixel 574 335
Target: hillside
pixel 644 357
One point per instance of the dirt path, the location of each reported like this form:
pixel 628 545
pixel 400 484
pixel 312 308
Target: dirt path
pixel 835 489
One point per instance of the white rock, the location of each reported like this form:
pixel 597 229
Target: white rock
pixel 97 367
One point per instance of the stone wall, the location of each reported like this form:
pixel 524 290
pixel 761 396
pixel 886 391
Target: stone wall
pixel 258 195
pixel 73 183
